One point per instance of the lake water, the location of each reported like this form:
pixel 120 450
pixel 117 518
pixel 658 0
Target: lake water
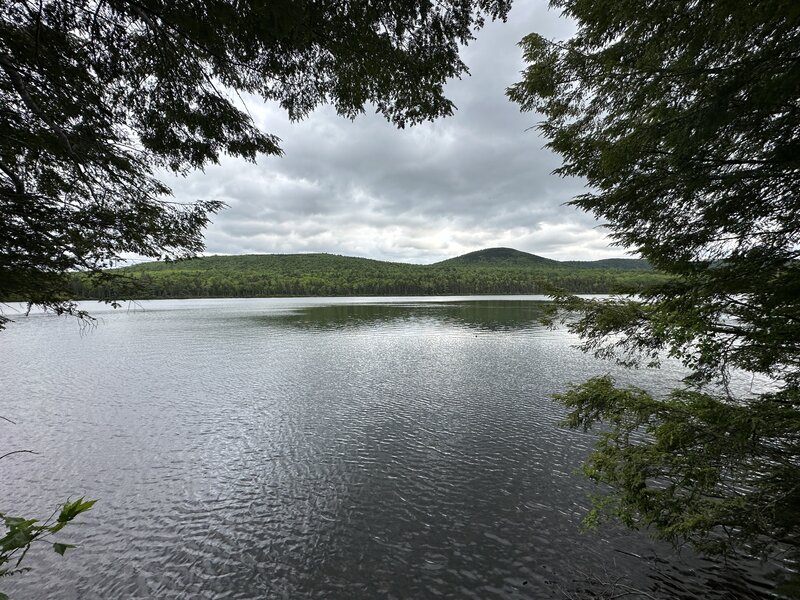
pixel 317 448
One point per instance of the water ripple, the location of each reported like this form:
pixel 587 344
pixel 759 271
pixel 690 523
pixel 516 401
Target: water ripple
pixel 282 449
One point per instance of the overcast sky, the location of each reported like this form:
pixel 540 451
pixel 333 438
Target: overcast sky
pixel 478 179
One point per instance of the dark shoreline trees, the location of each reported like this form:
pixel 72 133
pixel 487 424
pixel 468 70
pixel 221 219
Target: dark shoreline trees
pixel 684 118
pixel 330 275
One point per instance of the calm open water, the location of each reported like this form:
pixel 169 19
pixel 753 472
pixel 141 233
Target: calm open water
pixel 317 448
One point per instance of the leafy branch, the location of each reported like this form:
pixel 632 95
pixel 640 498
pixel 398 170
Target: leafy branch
pixel 22 533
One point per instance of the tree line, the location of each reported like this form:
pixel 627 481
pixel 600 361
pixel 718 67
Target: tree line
pixel 327 275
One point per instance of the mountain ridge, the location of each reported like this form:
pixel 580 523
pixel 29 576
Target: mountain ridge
pixel 518 257
pixel 488 271
pixel 496 256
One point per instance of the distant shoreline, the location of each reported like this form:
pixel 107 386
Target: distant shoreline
pixel 501 271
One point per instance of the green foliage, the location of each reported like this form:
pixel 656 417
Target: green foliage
pixel 693 466
pixel 97 97
pixel 684 118
pixel 330 275
pixel 22 533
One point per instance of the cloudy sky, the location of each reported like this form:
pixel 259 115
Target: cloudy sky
pixel 478 179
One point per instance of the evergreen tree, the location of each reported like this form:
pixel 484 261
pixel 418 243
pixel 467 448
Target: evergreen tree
pixel 684 118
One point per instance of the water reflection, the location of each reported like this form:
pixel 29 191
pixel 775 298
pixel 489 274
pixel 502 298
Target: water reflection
pixel 478 315
pixel 318 449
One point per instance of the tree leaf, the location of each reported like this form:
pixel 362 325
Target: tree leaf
pixel 61 548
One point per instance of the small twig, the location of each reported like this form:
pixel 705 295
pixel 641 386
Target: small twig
pixel 629 553
pixel 19 186
pixel 17 452
pixel 38 31
pixel 7 419
pixel 633 590
pixel 24 552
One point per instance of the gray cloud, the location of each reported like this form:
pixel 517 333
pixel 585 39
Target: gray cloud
pixel 480 178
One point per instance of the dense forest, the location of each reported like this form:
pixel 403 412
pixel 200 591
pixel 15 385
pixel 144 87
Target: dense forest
pixel 492 271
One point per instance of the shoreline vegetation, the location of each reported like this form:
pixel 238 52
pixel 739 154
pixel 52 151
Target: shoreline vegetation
pixel 489 271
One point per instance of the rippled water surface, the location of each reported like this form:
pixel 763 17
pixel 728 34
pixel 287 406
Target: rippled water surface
pixel 316 448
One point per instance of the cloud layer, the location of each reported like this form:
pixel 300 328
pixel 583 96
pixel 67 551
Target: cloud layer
pixel 478 179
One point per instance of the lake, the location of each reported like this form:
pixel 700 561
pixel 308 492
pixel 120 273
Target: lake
pixel 318 448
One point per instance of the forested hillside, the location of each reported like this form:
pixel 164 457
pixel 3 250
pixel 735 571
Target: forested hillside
pixel 492 271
